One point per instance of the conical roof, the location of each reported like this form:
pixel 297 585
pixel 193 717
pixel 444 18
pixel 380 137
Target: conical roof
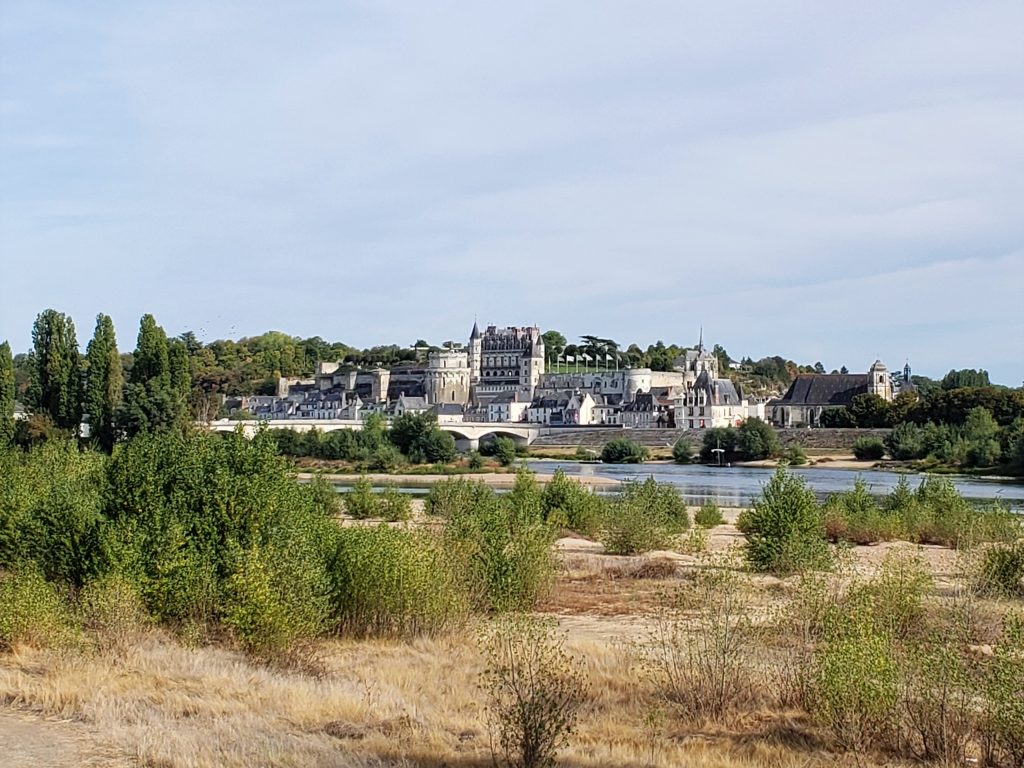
pixel 476 332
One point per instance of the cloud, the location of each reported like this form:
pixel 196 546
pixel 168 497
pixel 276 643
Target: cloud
pixel 372 172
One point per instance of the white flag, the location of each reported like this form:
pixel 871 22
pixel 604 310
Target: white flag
pixel 586 357
pixel 570 359
pixel 608 358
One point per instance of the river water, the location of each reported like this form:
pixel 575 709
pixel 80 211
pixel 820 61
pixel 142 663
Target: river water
pixel 739 486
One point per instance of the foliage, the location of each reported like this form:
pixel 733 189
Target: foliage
pixel 535 691
pixel 723 438
pixel 474 460
pixel 709 515
pixel 394 581
pixel 966 377
pixel 581 507
pixel 112 609
pixel 1004 696
pixel 700 649
pixel 394 506
pixel 51 511
pixel 153 400
pixel 360 501
pixel 419 438
pixel 682 451
pixel 505 451
pixel 786 527
pixel 981 432
pixel 870 410
pixel 868 448
pixel 503 549
pixel 31 611
pixel 756 439
pixel 7 390
pixel 855 516
pixel 646 516
pixel 622 450
pixel 1001 570
pixel 794 456
pixel 104 384
pixel 55 387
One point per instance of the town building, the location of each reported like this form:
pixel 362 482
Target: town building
pixel 810 395
pixel 504 360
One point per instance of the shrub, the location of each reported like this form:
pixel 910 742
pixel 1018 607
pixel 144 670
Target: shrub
pixel 756 439
pixel 786 532
pixel 709 515
pixel 277 602
pixel 389 581
pixel 682 451
pixel 393 505
pixel 505 451
pixel 699 652
pixel 855 516
pixel 1001 571
pixel 855 686
pixel 360 501
pixel 905 442
pixel 384 458
pixel 455 497
pixel 474 460
pixel 718 439
pixel 323 496
pixel 535 691
pixel 526 497
pixel 622 450
pixel 937 702
pixel 795 456
pixel 1003 690
pixel 582 508
pixel 503 551
pixel 113 610
pixel 868 449
pixel 31 611
pixel 646 516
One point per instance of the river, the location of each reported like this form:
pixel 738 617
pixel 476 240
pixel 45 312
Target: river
pixel 739 486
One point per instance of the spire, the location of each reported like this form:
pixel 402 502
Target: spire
pixel 700 344
pixel 476 331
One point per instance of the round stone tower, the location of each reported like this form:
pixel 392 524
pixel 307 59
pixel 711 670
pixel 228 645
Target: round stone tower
pixel 447 377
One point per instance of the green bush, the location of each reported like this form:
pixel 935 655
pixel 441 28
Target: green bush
pixel 646 516
pixel 535 691
pixel 1001 570
pixel 112 609
pixel 394 506
pixel 582 508
pixel 756 439
pixel 785 528
pixel 455 497
pixel 622 450
pixel 709 515
pixel 682 451
pixel 360 501
pixel 502 550
pixel 277 602
pixel 868 448
pixel 1003 691
pixel 795 456
pixel 474 460
pixel 32 612
pixel 505 451
pixel 391 581
pixel 856 517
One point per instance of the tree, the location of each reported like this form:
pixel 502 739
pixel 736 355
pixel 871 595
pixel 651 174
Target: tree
pixel 682 451
pixel 554 343
pixel 622 450
pixel 981 431
pixel 756 439
pixel 56 387
pixel 722 356
pixel 6 395
pixel 966 377
pixel 819 368
pixel 718 439
pixel 104 383
pixel 152 397
pixel 785 530
pixel 870 410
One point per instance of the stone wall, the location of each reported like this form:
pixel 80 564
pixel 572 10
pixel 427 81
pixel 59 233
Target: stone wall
pixel 593 437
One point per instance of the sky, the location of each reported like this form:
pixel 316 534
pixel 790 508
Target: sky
pixel 833 182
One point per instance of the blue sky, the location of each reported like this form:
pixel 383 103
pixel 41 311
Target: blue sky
pixel 824 181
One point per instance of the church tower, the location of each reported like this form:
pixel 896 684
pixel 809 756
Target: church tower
pixel 533 366
pixel 475 354
pixel 879 382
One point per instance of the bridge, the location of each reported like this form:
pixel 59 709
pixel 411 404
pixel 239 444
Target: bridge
pixel 467 434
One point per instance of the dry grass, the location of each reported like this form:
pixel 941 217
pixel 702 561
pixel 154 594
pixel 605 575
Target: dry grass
pixel 398 703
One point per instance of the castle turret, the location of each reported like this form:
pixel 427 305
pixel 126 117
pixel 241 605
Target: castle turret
pixel 475 354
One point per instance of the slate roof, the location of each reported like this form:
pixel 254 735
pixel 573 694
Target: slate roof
pixel 448 409
pixel 825 389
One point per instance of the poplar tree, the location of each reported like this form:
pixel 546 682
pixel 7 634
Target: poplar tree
pixel 104 383
pixel 6 395
pixel 151 401
pixel 56 386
